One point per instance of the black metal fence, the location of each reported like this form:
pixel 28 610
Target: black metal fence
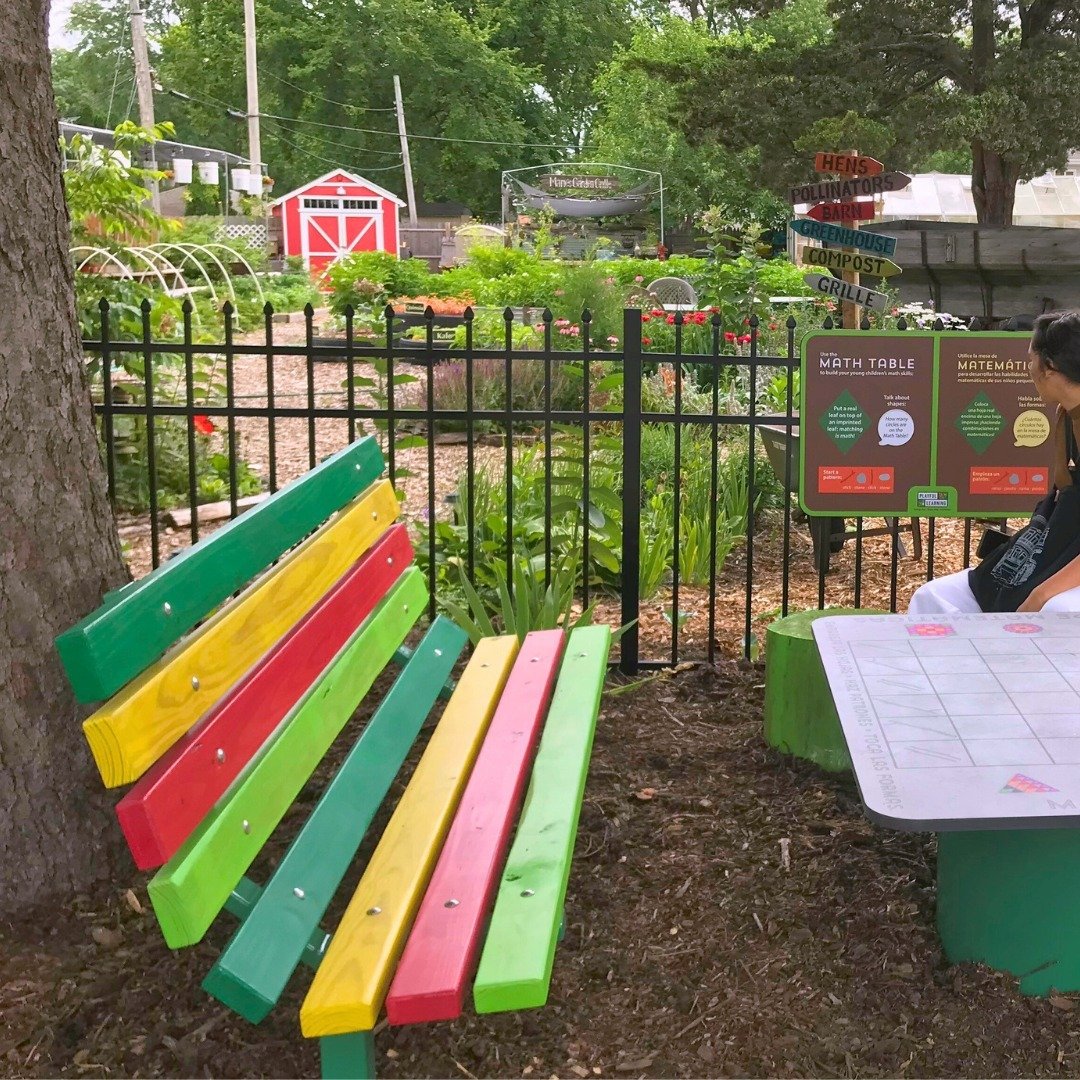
pixel 661 481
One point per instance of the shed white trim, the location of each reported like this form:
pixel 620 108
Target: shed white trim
pixel 352 178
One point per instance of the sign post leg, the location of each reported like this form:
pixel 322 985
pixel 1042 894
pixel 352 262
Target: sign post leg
pixel 851 312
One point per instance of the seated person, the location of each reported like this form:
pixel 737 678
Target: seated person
pixel 1039 568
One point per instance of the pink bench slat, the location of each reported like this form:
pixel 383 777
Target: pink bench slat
pixel 443 946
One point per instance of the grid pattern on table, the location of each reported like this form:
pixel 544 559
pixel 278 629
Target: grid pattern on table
pixel 959 701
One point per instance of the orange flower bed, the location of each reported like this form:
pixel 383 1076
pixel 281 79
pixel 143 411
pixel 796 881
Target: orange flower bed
pixel 441 305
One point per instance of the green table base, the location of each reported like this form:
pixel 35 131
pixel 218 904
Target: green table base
pixel 800 717
pixel 1010 899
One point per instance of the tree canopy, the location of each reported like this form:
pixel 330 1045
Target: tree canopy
pixel 727 99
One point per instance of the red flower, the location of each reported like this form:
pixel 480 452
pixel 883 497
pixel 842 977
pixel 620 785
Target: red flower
pixel 645 317
pixel 744 339
pixel 646 341
pixel 730 337
pixel 203 425
pixel 671 320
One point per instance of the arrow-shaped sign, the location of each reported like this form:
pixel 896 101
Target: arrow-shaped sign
pixel 849 189
pixel 877 243
pixel 848 165
pixel 845 290
pixel 849 262
pixel 842 211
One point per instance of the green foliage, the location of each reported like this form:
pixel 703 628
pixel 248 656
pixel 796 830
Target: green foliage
pixel 200 198
pixel 520 606
pixel 107 198
pixel 371 278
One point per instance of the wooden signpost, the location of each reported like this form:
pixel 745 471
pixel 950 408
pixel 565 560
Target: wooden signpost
pixel 850 262
pixel 850 292
pixel 842 211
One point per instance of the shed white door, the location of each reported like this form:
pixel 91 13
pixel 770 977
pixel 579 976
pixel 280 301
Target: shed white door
pixel 331 228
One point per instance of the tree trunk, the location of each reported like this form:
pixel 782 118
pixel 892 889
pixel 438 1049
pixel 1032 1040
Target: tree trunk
pixel 993 186
pixel 59 551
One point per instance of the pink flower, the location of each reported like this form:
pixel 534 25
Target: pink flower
pixel 638 280
pixel 744 339
pixel 562 322
pixel 613 341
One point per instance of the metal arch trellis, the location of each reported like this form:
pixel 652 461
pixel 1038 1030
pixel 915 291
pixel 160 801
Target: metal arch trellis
pixel 509 175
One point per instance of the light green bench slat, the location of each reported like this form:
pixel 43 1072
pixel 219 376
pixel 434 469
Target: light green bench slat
pixel 252 972
pixel 189 891
pixel 139 622
pixel 515 966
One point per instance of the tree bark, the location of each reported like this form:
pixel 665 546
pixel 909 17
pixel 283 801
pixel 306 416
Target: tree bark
pixel 993 186
pixel 59 551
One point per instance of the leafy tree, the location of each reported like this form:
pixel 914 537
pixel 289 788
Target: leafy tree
pixel 914 76
pixel 457 85
pixel 637 125
pixel 93 80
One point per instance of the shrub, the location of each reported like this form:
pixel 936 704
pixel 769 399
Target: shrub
pixel 351 279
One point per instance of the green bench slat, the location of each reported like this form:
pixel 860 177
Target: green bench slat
pixel 190 890
pixel 135 625
pixel 348 1057
pixel 242 902
pixel 252 972
pixel 515 966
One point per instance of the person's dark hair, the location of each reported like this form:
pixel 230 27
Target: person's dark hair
pixel 1056 339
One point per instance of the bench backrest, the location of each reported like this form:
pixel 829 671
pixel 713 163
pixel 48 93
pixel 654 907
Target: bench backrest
pixel 222 711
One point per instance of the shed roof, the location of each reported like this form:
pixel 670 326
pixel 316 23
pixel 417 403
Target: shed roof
pixel 351 178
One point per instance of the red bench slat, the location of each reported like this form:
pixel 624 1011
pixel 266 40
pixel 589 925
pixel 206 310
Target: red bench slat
pixel 443 946
pixel 164 807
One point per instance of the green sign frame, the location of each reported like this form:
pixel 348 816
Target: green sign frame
pixel 942 460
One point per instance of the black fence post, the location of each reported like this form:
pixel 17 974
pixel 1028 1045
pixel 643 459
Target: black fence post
pixel 631 491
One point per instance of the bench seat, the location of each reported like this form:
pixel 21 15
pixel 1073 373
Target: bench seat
pixel 220 730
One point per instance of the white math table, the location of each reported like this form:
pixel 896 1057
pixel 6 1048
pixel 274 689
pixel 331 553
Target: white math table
pixel 959 722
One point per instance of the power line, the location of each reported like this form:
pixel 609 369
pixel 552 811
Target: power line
pixel 350 147
pixel 330 161
pixel 319 97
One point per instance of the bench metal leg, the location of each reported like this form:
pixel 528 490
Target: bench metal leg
pixel 348 1057
pixel 1008 899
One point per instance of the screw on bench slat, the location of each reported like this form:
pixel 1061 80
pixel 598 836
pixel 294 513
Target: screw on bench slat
pixel 219 755
pixel 298 893
pixel 195 682
pixel 167 608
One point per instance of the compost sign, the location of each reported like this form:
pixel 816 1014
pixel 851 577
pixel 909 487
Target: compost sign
pixel 921 424
pixel 851 262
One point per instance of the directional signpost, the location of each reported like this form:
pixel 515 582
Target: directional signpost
pixel 850 262
pixel 847 291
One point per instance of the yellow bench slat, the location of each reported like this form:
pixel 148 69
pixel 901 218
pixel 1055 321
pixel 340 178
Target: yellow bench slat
pixel 129 733
pixel 351 982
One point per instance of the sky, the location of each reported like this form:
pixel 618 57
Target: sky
pixel 57 19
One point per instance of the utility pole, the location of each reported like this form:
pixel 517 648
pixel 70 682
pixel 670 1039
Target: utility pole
pixel 254 139
pixel 145 86
pixel 410 194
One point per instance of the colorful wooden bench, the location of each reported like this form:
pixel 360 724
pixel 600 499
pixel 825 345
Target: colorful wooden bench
pixel 220 709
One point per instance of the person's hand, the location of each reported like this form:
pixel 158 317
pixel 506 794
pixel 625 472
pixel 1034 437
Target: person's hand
pixel 1034 601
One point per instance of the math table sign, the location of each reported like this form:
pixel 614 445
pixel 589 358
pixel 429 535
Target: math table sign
pixel 922 425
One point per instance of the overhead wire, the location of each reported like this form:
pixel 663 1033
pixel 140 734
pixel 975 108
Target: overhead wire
pixel 320 97
pixel 330 161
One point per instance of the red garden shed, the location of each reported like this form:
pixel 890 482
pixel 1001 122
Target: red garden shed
pixel 335 215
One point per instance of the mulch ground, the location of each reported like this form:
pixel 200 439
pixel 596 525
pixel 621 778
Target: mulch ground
pixel 731 913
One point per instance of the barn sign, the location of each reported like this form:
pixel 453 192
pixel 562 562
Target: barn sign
pixel 849 262
pixel 842 211
pixel 336 215
pixel 846 290
pixel 849 189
